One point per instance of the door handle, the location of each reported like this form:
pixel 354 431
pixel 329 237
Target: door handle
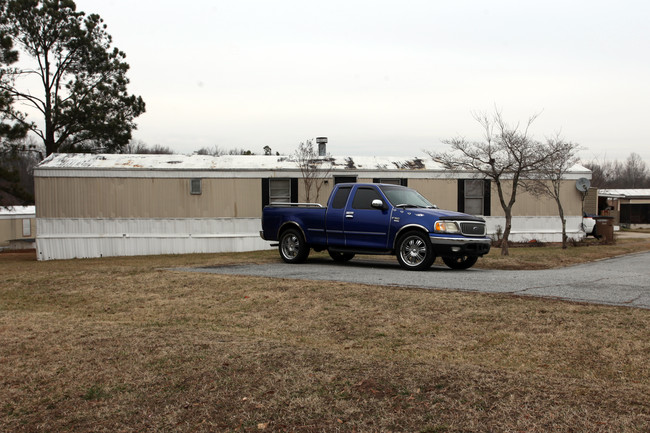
pixel 349 214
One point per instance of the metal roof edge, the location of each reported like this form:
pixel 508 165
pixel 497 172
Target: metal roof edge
pixel 235 166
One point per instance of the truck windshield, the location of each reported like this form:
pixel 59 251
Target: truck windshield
pixel 405 197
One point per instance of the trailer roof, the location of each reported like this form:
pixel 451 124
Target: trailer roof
pixel 238 163
pixel 226 162
pixel 624 193
pixel 17 211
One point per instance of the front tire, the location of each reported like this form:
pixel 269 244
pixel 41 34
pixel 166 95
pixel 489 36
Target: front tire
pixel 460 262
pixel 415 252
pixel 338 256
pixel 293 248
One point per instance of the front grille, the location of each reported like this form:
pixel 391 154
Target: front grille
pixel 472 228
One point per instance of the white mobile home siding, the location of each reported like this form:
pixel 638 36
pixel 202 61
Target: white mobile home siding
pixel 68 238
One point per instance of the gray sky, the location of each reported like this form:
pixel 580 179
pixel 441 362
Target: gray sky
pixel 384 77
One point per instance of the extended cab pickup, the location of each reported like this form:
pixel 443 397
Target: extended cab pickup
pixel 376 219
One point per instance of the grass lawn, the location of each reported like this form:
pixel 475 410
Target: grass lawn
pixel 122 345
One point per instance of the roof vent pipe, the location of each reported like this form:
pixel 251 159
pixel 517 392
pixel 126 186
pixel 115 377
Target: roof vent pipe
pixel 322 145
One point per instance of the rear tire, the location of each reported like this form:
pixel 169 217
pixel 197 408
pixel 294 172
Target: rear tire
pixel 415 252
pixel 595 234
pixel 460 262
pixel 338 256
pixel 293 248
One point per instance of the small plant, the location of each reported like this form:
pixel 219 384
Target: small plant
pixel 497 236
pixel 95 392
pixel 575 242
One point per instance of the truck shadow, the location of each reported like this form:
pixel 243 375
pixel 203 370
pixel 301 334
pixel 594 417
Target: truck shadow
pixel 377 262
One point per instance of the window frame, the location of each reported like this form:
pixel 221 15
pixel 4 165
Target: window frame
pixel 193 183
pixel 266 189
pixel 284 198
pixel 391 181
pixel 474 192
pixel 346 179
pixel 27 227
pixel 486 196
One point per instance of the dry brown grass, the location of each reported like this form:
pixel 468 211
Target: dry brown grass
pixel 546 256
pixel 635 230
pixel 553 256
pixel 120 344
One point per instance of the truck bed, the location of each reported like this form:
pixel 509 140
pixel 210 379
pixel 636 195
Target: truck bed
pixel 310 217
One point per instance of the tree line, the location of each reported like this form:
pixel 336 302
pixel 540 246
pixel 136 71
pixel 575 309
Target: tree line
pixel 608 174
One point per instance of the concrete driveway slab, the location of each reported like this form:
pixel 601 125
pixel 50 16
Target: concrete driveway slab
pixel 623 281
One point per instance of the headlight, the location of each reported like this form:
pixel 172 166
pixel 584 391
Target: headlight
pixel 446 227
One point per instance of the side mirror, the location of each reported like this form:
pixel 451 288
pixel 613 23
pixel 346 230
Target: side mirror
pixel 377 204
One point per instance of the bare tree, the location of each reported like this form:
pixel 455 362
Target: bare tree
pixel 506 155
pixel 603 173
pixel 140 147
pixel 635 171
pixel 547 178
pixel 314 168
pixel 211 151
pixel 217 151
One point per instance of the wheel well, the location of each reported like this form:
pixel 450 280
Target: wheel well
pixel 408 229
pixel 290 225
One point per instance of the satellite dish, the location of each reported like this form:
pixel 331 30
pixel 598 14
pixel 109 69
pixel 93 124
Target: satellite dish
pixel 583 184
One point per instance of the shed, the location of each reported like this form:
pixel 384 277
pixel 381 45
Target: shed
pixel 108 205
pixel 629 207
pixel 17 227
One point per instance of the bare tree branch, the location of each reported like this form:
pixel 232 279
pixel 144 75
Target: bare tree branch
pixel 507 153
pixel 547 179
pixel 314 168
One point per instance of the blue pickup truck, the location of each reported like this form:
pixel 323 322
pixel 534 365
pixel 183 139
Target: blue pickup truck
pixel 376 219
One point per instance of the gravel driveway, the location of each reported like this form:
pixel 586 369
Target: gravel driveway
pixel 619 281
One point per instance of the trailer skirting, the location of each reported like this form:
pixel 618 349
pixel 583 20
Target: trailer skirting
pixel 69 238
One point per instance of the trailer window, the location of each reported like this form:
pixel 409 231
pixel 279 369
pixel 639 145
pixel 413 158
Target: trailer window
pixel 195 186
pixel 27 228
pixel 279 191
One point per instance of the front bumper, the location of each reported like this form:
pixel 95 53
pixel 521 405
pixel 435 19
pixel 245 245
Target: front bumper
pixel 460 246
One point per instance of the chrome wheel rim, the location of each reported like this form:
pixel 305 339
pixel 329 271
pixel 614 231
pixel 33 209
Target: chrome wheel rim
pixel 290 246
pixel 413 251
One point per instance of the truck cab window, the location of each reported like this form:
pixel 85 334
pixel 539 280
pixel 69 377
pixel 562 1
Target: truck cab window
pixel 341 197
pixel 364 197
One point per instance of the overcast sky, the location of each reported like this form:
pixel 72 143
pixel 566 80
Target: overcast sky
pixel 384 77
